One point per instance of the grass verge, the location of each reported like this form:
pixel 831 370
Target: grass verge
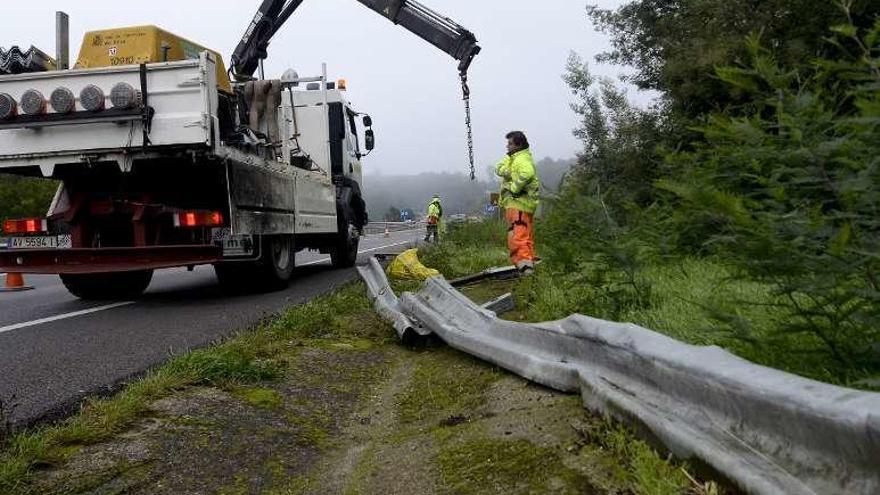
pixel 253 356
pixel 695 300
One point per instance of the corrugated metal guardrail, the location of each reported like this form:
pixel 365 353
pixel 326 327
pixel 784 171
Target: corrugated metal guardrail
pixel 379 227
pixel 387 304
pixel 768 431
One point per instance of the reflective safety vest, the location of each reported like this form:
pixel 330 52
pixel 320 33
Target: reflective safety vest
pixel 520 185
pixel 435 212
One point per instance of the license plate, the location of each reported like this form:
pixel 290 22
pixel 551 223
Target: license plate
pixel 40 242
pixel 233 245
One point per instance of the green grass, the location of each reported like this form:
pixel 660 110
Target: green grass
pixel 468 248
pixel 695 300
pixel 251 357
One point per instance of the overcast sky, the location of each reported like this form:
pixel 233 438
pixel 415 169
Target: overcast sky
pixel 410 88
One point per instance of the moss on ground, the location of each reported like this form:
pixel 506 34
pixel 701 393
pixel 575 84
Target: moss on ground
pixel 264 398
pixel 486 465
pixel 324 400
pixel 446 387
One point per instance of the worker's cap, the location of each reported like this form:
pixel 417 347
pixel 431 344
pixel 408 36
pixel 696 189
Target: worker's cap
pixel 437 196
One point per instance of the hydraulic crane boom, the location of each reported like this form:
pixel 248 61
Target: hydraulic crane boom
pixel 440 31
pixel 434 28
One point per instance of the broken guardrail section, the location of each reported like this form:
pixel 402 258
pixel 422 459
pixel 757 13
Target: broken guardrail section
pixel 386 303
pixel 768 431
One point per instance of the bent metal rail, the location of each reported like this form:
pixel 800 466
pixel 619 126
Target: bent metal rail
pixel 768 431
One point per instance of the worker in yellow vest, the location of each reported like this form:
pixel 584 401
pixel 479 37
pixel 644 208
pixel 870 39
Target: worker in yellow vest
pixel 519 199
pixel 435 214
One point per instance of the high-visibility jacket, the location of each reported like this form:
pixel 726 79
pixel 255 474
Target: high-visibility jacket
pixel 435 211
pixel 520 185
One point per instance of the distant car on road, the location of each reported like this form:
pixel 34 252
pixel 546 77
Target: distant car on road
pixel 458 217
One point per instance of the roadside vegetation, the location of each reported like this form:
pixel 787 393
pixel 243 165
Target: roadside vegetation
pixel 741 208
pixel 324 399
pixel 24 196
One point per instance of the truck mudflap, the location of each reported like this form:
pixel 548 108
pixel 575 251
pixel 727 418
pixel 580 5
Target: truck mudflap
pixel 106 260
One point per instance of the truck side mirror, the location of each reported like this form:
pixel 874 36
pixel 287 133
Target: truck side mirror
pixel 370 141
pixel 368 121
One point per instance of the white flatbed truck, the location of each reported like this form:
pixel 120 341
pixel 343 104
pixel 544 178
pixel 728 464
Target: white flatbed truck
pixel 171 164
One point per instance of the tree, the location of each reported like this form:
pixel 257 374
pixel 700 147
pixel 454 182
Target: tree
pixel 24 196
pixel 392 215
pixel 790 181
pixel 675 45
pixel 618 161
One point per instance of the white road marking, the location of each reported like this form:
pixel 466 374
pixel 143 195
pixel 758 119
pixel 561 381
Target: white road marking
pixel 63 316
pixel 84 312
pixel 324 260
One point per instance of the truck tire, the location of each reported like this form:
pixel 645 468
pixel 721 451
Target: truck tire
pixel 277 262
pixel 107 286
pixel 272 272
pixel 344 252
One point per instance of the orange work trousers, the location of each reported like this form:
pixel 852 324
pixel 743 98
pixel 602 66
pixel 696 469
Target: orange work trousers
pixel 520 237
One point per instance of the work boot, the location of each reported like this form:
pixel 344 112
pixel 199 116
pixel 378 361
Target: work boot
pixel 526 267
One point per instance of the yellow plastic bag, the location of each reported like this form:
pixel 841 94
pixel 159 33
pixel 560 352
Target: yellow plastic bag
pixel 408 267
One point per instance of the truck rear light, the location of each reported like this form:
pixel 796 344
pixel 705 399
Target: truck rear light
pixel 124 96
pixel 92 98
pixel 62 100
pixel 198 219
pixel 8 107
pixel 25 226
pixel 33 102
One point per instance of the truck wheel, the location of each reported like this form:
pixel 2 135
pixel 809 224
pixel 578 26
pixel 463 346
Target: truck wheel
pixel 102 286
pixel 278 261
pixel 272 272
pixel 345 251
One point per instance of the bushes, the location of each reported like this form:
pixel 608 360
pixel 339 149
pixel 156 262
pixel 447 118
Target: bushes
pixel 793 184
pixel 778 192
pixel 24 196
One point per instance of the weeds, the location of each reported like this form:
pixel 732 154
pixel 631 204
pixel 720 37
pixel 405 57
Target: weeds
pixel 7 407
pixel 699 300
pixel 249 357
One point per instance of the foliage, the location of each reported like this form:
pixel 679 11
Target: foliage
pixel 792 182
pixel 24 196
pixel 676 45
pixel 618 162
pixel 392 214
pixel 468 248
pixel 458 193
pixel 761 156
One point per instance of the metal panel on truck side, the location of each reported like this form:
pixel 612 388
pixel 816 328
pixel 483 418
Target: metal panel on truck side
pixel 183 95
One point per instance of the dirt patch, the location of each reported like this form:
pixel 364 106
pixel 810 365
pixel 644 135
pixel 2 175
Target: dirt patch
pixel 354 412
pixel 241 440
pixel 444 422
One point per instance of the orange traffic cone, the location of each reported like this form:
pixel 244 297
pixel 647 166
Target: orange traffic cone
pixel 14 283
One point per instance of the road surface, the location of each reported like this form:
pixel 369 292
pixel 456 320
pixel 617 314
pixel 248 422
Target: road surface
pixel 56 349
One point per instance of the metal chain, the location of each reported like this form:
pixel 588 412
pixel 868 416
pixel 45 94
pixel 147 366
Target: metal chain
pixel 466 93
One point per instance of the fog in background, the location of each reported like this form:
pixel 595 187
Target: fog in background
pixel 410 88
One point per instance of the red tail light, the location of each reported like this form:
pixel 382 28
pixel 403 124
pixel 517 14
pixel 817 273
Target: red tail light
pixel 25 226
pixel 198 219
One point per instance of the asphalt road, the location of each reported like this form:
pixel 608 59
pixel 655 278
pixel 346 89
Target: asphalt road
pixel 56 350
